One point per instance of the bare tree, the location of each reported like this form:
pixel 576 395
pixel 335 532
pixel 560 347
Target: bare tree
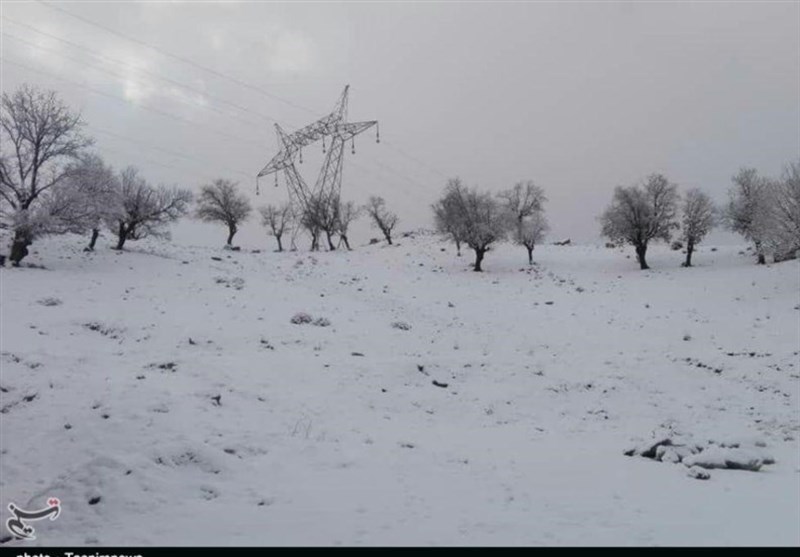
pixel 278 220
pixel 638 215
pixel 308 220
pixel 446 213
pixel 320 215
pixel 524 206
pixel 748 211
pixel 381 217
pixel 480 219
pixel 147 210
pixel 699 217
pixel 786 212
pixel 220 201
pixel 39 137
pixel 325 210
pixel 521 201
pixel 531 231
pixel 346 213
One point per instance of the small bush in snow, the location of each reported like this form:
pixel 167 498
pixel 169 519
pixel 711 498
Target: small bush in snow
pixel 402 325
pixel 235 282
pixel 301 318
pixel 322 322
pixel 49 302
pixel 677 245
pixel 103 329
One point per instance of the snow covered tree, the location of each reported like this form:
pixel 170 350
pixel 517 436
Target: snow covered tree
pixel 524 205
pixel 749 210
pixel 328 217
pixel 381 217
pixel 446 213
pixel 39 138
pixel 308 220
pixel 521 201
pixel 220 201
pixel 96 188
pixel 346 213
pixel 786 212
pixel 479 217
pixel 698 219
pixel 638 215
pixel 320 215
pixel 278 220
pixel 531 231
pixel 147 210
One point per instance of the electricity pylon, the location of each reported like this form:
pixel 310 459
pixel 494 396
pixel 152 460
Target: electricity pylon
pixel 338 131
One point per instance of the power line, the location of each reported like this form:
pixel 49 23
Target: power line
pixel 104 70
pixel 117 62
pixel 122 99
pixel 214 72
pixel 178 57
pixel 161 113
pixel 164 150
pixel 110 60
pixel 416 160
pixel 116 97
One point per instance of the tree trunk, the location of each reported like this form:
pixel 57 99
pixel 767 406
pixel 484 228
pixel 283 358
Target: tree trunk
pixel 122 235
pixel 530 255
pixel 641 251
pixel 280 244
pixel 458 247
pixel 388 237
pixel 762 260
pixel 231 233
pixel 93 241
pixel 329 237
pixel 346 242
pixel 19 247
pixel 689 251
pixel 314 241
pixel 479 253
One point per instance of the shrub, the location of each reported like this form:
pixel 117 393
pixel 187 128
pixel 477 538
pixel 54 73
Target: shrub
pixel 301 318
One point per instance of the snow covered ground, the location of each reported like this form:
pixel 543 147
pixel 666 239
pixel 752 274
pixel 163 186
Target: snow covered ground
pixel 173 387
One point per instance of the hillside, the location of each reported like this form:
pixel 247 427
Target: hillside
pixel 169 382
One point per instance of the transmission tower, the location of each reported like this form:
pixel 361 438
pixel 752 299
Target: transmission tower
pixel 337 131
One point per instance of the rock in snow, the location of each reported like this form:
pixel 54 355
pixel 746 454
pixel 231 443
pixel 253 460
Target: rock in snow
pixel 697 473
pixel 730 455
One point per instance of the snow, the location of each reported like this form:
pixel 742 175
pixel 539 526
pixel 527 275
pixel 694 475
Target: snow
pixel 175 388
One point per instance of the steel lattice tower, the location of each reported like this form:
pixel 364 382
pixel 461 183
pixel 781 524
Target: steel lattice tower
pixel 338 131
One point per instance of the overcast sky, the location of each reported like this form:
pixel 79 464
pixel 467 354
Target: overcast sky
pixel 579 97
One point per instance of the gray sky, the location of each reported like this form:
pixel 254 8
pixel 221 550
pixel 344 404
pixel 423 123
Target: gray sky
pixel 578 96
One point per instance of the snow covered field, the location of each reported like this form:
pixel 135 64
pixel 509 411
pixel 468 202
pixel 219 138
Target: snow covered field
pixel 165 397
